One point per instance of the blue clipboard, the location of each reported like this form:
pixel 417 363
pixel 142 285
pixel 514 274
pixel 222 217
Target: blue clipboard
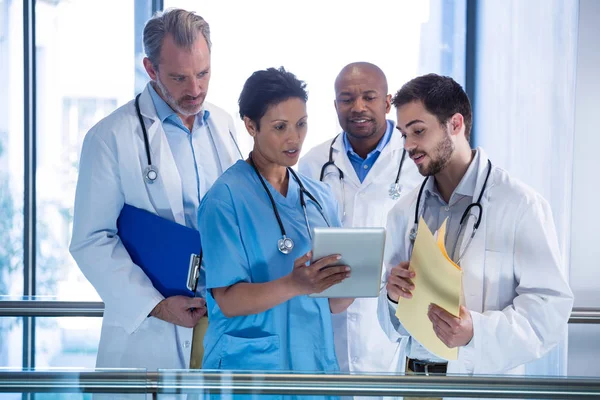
pixel 169 253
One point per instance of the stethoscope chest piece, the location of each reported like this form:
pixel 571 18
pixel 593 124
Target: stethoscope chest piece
pixel 285 245
pixel 395 191
pixel 413 235
pixel 150 174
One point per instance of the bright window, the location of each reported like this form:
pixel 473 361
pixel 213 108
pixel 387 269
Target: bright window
pixel 315 39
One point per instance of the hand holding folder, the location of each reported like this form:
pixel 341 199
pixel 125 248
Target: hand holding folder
pixel 438 280
pixel 169 253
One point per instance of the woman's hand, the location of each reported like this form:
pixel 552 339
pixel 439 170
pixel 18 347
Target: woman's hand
pixel 245 298
pixel 318 276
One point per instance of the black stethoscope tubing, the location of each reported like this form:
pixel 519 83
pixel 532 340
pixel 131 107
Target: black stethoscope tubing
pixel 477 205
pixel 330 162
pixel 289 244
pixel 146 142
pixel 151 171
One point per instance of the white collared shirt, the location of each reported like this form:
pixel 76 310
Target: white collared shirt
pixel 194 153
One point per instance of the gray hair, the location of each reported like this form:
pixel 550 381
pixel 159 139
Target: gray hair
pixel 183 25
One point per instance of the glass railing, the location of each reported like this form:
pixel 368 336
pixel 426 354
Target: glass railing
pixel 46 306
pixel 63 345
pixel 67 382
pixel 226 383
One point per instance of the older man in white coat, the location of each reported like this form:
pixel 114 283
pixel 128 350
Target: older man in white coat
pixel 191 142
pixel 516 301
pixel 368 171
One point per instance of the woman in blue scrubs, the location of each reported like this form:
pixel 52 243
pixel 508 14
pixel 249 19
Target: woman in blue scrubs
pixel 256 243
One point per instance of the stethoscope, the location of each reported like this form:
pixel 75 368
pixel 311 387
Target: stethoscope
pixel 394 190
pixel 285 245
pixel 151 171
pixel 473 206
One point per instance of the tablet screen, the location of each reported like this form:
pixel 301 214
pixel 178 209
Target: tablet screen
pixel 361 249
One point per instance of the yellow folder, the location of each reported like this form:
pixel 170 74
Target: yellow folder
pixel 438 280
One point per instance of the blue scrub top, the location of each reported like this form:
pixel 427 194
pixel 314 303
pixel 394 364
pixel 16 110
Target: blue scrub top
pixel 239 234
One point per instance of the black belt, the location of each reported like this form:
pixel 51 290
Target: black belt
pixel 426 367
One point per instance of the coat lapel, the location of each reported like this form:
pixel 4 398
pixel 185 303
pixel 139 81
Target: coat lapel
pixel 473 262
pixel 391 154
pixel 168 184
pixel 223 138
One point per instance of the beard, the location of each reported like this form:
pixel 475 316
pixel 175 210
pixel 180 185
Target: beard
pixel 440 157
pixel 177 105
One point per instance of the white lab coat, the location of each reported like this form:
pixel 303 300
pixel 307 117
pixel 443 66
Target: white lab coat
pixel 361 345
pixel 113 159
pixel 513 281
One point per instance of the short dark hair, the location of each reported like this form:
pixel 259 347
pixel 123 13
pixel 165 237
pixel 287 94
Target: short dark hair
pixel 266 88
pixel 442 96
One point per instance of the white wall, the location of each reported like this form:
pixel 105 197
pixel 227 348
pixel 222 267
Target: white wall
pixel 584 340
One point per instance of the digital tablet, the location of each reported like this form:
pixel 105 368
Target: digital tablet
pixel 361 250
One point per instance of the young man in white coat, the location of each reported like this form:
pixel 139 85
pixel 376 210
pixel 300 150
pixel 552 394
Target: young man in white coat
pixel 191 143
pixel 516 301
pixel 362 165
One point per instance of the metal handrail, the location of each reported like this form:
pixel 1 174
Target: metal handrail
pixel 51 308
pixel 187 382
pixel 45 308
pixel 74 381
pixel 585 315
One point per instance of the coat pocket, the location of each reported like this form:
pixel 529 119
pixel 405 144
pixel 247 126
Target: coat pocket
pixel 499 280
pixel 240 353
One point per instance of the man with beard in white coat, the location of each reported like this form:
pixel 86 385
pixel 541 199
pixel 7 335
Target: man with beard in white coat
pixel 368 171
pixel 515 301
pixel 191 143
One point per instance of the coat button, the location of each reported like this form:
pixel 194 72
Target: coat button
pixel 186 344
